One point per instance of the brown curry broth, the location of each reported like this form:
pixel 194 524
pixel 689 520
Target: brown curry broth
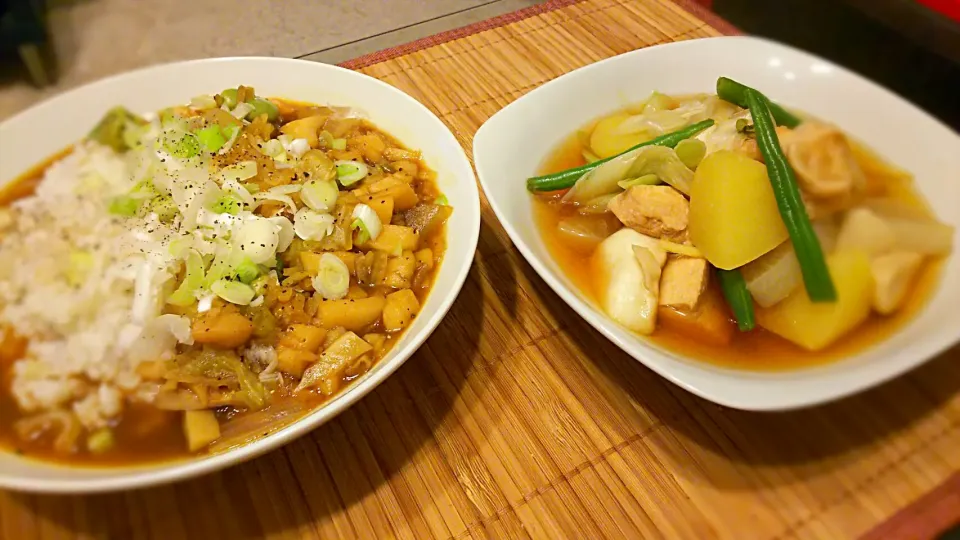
pixel 759 349
pixel 146 434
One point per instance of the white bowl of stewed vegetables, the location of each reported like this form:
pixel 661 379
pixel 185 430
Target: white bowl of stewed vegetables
pixel 757 225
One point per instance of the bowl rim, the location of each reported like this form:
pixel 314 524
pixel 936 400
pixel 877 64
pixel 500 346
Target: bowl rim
pixel 164 472
pixel 923 351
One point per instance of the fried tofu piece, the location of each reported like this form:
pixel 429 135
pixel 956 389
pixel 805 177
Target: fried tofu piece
pixel 823 161
pixel 683 282
pixel 657 211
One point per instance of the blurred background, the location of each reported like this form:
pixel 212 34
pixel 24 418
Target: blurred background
pixel 47 46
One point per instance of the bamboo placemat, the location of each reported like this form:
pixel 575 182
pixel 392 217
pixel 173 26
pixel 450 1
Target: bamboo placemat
pixel 518 420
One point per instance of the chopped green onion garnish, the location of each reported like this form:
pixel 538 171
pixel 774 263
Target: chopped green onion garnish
pixel 238 172
pixel 125 206
pixel 263 106
pixel 645 180
pixel 211 138
pixel 228 204
pixel 279 266
pixel 367 221
pixel 229 97
pixel 326 139
pixel 350 172
pixel 333 277
pixel 442 201
pixel 219 268
pixel 339 144
pixel 185 147
pixel 311 225
pixel 133 133
pixel 319 195
pixel 192 282
pixel 233 291
pixel 143 190
pixel 247 271
pixel 274 149
pixel 165 208
pixel 178 246
pixel 364 234
pixel 168 118
pixel 203 102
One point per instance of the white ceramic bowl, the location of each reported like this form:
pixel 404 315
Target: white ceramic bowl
pixel 512 144
pixel 39 132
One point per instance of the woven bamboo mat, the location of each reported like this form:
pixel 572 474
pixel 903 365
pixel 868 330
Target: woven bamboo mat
pixel 517 420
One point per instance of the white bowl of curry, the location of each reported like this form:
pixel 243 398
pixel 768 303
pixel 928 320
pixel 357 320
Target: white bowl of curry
pixel 220 256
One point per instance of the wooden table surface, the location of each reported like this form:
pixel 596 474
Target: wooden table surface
pixel 518 420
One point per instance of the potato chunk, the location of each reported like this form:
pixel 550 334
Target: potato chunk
pixel 201 428
pixel 815 325
pixel 303 337
pixel 403 195
pixel 305 128
pixel 400 309
pixel 294 361
pixel 400 271
pixel 393 239
pixel 352 314
pixel 224 330
pixel 734 217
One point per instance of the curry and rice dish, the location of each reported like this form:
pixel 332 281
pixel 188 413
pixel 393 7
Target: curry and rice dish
pixel 732 230
pixel 194 280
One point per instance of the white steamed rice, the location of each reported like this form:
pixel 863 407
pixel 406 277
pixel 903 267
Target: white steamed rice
pixel 84 287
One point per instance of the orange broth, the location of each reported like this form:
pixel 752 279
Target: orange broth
pixel 755 350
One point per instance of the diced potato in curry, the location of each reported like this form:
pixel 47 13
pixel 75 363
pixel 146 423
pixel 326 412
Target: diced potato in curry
pixel 399 309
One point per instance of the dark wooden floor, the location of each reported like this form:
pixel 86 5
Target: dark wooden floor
pixel 836 31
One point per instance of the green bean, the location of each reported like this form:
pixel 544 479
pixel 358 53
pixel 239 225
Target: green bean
pixel 229 97
pixel 813 266
pixel 734 92
pixel 734 289
pixel 569 177
pixel 263 106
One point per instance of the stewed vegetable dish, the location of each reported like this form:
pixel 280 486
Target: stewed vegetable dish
pixel 192 280
pixel 735 231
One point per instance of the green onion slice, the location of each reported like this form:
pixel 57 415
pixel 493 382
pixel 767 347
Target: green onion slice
pixel 350 172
